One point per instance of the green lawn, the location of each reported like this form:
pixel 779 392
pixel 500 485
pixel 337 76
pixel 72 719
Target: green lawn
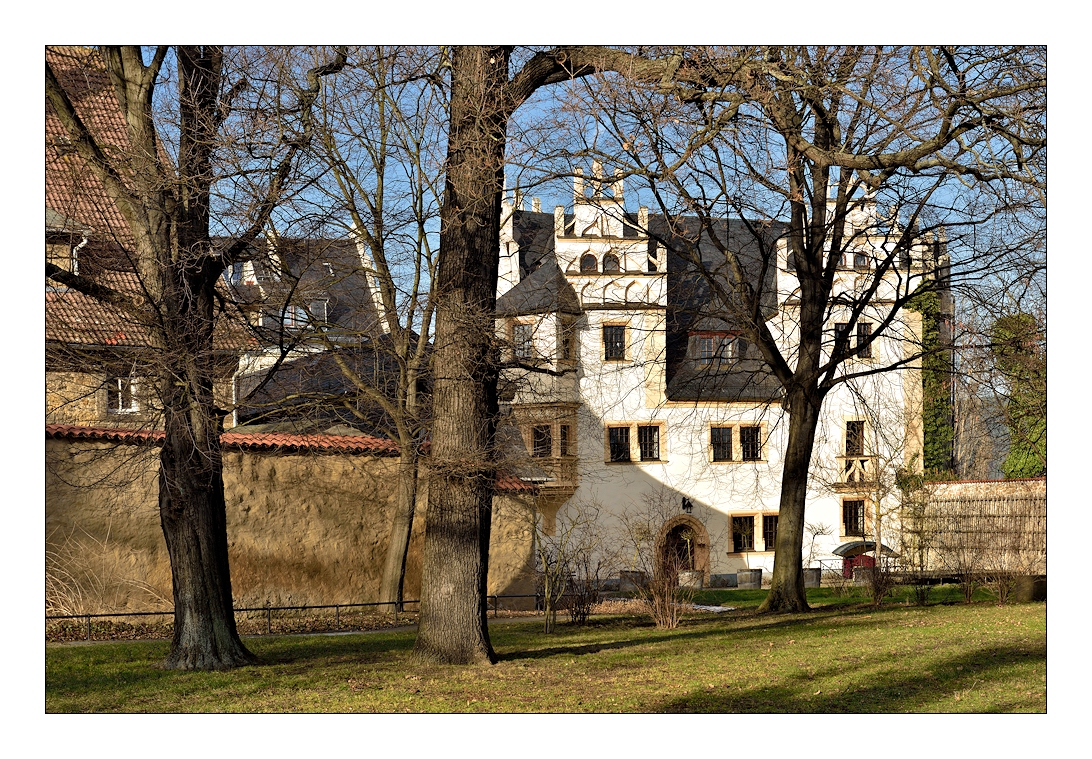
pixel 842 657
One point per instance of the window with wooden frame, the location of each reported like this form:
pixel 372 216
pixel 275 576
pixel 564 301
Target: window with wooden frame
pixel 750 443
pixel 614 342
pixel 618 441
pixel 589 264
pixel 769 531
pixel 853 517
pixel 743 534
pixel 864 332
pixel 720 440
pixel 611 264
pixel 565 440
pixel 714 347
pixel 648 440
pixel 542 443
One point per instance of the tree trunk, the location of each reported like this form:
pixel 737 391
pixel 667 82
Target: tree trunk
pixel 394 569
pixel 787 585
pixel 194 520
pixel 461 467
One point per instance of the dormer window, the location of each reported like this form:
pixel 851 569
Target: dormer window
pixel 588 264
pixel 715 347
pixel 318 311
pixel 611 265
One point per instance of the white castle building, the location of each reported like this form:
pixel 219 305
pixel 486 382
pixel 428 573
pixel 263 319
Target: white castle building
pixel 628 389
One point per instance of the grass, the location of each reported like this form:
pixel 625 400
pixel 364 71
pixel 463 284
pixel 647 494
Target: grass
pixel 842 657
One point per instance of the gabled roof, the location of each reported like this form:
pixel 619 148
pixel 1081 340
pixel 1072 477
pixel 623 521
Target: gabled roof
pixel 546 289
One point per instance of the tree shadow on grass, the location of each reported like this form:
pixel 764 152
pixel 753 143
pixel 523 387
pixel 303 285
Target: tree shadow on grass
pixel 942 687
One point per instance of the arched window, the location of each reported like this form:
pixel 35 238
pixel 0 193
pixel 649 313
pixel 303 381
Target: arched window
pixel 588 263
pixel 611 264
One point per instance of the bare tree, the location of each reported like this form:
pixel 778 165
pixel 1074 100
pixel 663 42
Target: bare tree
pixel 194 118
pixel 950 140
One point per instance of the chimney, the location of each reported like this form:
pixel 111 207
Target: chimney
pixel 616 187
pixel 578 185
pixel 536 205
pixel 559 221
pixel 642 219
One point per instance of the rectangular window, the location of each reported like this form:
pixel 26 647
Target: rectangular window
pixel 840 330
pixel 542 444
pixel 860 261
pixel 864 331
pixel 740 348
pixel 566 342
pixel 855 438
pixel 649 440
pixel 619 443
pixel 750 443
pixel 614 343
pixel 743 534
pixel 721 440
pixel 295 317
pixel 853 518
pixel 318 311
pixel 522 336
pixel 121 395
pixel 769 530
pixel 706 349
pixel 564 433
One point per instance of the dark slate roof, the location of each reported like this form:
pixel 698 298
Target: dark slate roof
pixel 543 287
pixel 313 269
pixel 546 289
pixel 312 392
pixel 534 233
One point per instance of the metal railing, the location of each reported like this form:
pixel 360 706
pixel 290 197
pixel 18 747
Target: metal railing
pixel 495 606
pixel 246 609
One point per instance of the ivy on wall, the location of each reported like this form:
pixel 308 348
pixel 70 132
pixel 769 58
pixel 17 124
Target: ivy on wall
pixel 1021 359
pixel 936 380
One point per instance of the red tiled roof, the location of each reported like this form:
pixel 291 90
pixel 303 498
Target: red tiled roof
pixel 276 441
pixel 71 188
pixel 78 319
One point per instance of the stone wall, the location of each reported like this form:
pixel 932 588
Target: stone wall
pixel 302 529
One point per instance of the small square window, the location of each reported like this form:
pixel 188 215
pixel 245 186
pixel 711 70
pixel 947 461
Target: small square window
pixel 619 443
pixel 721 440
pixel 614 343
pixel 542 445
pixel 648 438
pixel 750 443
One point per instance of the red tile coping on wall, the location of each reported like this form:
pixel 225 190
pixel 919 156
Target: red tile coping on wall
pixel 277 441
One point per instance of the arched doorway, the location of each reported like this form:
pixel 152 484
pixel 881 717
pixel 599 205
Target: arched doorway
pixel 683 546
